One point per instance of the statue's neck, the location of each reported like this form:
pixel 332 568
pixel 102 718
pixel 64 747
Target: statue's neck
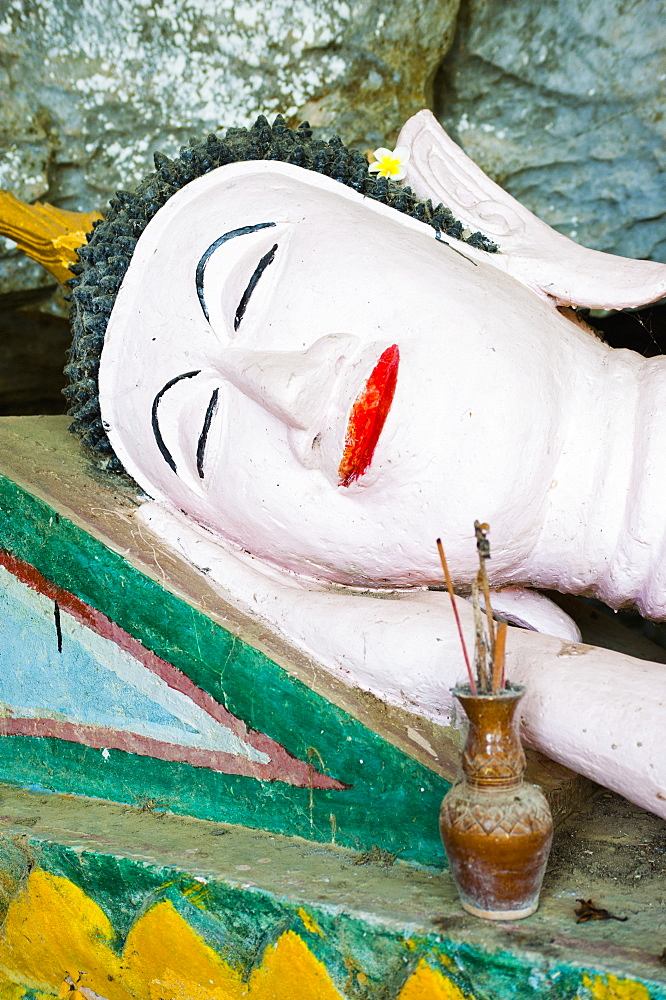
pixel 605 523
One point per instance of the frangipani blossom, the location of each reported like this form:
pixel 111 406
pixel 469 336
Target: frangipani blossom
pixel 391 164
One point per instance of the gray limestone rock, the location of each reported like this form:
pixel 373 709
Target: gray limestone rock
pixel 563 103
pixel 90 88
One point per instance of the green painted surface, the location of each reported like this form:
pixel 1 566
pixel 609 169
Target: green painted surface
pixel 362 816
pixel 240 889
pixel 393 801
pixel 239 922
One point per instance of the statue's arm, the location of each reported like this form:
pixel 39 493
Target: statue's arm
pixel 596 711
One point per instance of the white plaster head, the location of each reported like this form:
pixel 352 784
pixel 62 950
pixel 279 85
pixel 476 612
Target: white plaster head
pixel 323 382
pixel 267 313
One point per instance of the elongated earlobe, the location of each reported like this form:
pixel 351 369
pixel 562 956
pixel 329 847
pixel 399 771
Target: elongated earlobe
pixel 549 263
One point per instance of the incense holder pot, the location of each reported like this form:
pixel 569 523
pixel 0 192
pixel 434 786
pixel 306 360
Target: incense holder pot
pixel 496 828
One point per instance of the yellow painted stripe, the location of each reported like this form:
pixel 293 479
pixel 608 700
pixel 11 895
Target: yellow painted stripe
pixel 612 988
pixel 427 983
pixel 53 930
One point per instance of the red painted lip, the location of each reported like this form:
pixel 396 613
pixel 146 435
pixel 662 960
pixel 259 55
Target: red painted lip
pixel 367 417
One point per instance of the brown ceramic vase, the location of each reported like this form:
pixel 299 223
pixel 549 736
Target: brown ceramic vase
pixel 496 828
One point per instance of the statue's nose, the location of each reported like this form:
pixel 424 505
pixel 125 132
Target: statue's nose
pixel 295 386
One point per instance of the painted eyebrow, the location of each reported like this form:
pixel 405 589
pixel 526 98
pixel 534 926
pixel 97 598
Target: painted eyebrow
pixel 267 259
pixel 157 434
pixel 201 444
pixel 205 257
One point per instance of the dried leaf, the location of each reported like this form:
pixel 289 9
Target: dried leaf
pixel 588 911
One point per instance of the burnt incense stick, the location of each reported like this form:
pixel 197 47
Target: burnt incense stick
pixel 483 548
pixel 498 658
pixel 449 587
pixel 481 645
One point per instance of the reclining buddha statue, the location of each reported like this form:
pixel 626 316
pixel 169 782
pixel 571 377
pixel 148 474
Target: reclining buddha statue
pixel 314 371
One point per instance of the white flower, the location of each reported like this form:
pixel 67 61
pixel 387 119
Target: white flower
pixel 391 164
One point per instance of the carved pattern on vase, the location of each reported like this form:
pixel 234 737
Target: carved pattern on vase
pixel 511 818
pixel 506 764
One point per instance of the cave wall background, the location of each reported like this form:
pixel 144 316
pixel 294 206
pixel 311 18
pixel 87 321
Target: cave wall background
pixel 562 103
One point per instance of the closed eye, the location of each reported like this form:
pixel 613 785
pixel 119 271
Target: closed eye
pixel 231 280
pixel 267 259
pixel 206 256
pixel 184 407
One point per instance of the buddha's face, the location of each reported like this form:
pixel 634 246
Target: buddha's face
pixel 316 378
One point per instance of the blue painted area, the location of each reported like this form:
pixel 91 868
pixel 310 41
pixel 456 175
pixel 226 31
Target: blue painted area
pixel 73 685
pixel 53 667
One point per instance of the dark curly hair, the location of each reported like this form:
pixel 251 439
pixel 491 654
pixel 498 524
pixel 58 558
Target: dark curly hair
pixel 103 261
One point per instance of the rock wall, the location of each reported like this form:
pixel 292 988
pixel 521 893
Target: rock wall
pixel 90 88
pixel 563 103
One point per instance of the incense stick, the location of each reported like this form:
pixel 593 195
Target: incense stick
pixel 498 660
pixel 449 587
pixel 480 639
pixel 483 548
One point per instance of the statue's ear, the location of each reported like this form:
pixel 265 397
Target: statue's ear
pixel 533 253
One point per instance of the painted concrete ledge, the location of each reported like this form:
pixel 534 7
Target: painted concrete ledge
pixel 42 458
pixel 125 677
pixel 132 903
pixel 162 898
